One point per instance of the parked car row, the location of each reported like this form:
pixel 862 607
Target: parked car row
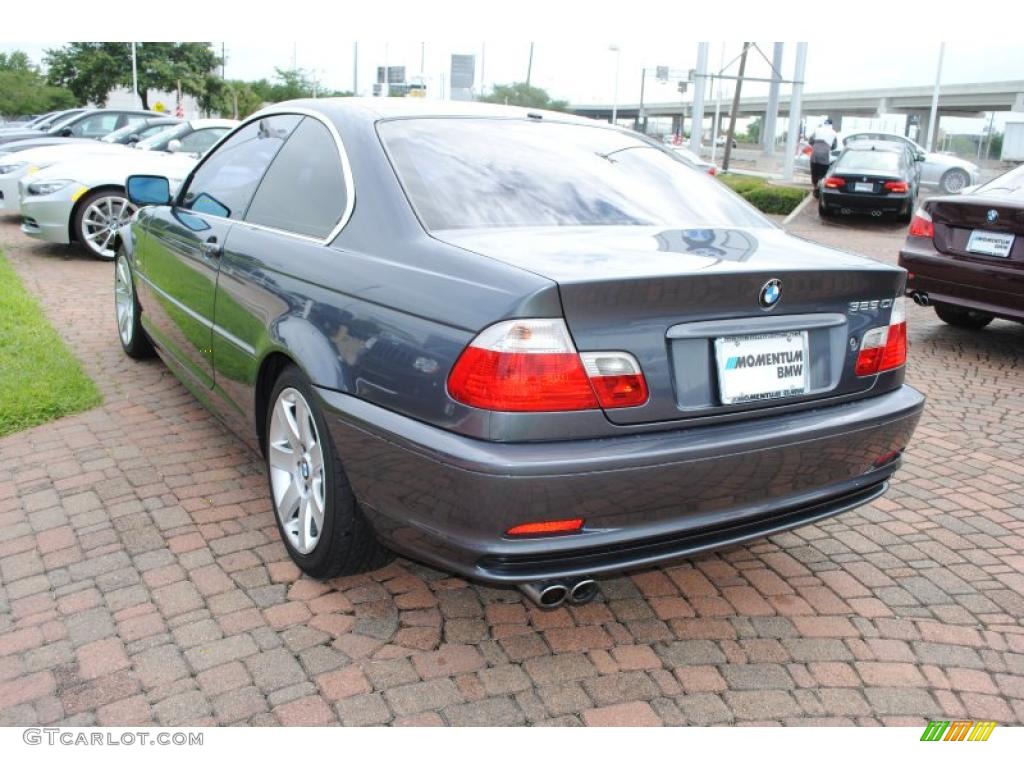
pixel 946 172
pixel 520 345
pixel 68 185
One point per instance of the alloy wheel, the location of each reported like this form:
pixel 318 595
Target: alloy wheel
pixel 101 219
pixel 296 461
pixel 954 181
pixel 124 301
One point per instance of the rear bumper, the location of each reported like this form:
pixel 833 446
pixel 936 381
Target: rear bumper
pixel 646 498
pixel 866 202
pixel 965 283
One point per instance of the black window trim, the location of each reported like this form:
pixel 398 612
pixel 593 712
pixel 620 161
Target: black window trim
pixel 346 168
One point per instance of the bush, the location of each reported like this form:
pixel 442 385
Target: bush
pixel 780 200
pixel 766 197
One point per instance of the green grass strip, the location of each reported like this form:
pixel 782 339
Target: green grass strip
pixel 40 380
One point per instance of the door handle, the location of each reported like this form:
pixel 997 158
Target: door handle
pixel 211 248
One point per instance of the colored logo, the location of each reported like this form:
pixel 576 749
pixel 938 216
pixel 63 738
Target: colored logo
pixel 770 294
pixel 958 730
pixel 992 216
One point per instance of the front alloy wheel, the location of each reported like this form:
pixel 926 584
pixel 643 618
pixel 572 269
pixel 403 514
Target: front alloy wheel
pixel 126 306
pixel 99 218
pixel 297 470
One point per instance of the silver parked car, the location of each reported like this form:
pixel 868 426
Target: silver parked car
pixel 949 173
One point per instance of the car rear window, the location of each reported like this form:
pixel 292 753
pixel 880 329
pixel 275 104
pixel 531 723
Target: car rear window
pixel 462 173
pixel 868 161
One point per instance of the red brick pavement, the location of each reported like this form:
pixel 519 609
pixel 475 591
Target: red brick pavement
pixel 142 581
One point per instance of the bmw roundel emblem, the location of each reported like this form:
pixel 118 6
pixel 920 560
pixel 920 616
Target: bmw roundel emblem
pixel 992 216
pixel 770 294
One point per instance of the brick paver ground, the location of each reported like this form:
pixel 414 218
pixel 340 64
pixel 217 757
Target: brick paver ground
pixel 142 580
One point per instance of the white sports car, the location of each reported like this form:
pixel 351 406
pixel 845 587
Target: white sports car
pixel 81 199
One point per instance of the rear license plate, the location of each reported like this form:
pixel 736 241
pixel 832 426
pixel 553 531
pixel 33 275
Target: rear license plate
pixel 990 243
pixel 863 186
pixel 762 367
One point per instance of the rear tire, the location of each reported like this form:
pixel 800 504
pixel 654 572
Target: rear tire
pixel 962 318
pixel 318 517
pixel 954 180
pixel 905 217
pixel 824 211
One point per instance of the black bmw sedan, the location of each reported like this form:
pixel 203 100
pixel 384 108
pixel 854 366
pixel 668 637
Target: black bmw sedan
pixel 523 346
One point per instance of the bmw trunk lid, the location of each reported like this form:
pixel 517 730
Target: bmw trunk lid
pixel 668 296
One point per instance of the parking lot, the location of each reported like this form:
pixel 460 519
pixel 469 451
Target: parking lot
pixel 142 579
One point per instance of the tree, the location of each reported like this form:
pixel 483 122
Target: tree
pixel 754 131
pixel 523 95
pixel 92 70
pixel 23 90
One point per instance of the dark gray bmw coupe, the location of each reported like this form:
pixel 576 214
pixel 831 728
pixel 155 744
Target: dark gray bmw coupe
pixel 526 347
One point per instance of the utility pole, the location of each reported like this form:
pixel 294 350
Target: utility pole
pixel 933 120
pixel 529 66
pixel 223 60
pixel 793 130
pixel 697 108
pixel 735 108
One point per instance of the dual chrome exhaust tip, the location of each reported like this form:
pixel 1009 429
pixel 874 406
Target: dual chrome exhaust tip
pixel 921 299
pixel 551 594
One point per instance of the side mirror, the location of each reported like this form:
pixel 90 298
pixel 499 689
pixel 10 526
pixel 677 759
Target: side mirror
pixel 920 157
pixel 67 132
pixel 149 190
pixel 174 145
pixel 134 138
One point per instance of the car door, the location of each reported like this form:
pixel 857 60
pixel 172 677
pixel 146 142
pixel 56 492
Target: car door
pixel 277 254
pixel 179 258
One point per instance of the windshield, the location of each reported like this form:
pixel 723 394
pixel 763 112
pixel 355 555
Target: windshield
pixel 1010 183
pixel 462 173
pixel 159 141
pixel 868 161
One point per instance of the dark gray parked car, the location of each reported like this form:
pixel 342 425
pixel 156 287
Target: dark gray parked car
pixel 523 346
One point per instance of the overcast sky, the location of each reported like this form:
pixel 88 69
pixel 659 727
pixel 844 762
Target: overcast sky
pixel 584 72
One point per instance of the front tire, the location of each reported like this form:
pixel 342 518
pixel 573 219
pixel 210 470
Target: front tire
pixel 134 341
pixel 954 180
pixel 318 517
pixel 97 219
pixel 962 318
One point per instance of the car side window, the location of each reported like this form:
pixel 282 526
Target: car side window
pixel 201 140
pixel 224 184
pixel 95 126
pixel 304 189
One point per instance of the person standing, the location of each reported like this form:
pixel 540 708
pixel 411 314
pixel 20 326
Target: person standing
pixel 822 141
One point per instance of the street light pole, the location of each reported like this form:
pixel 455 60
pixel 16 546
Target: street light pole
pixel 697 108
pixel 135 78
pixel 615 97
pixel 640 123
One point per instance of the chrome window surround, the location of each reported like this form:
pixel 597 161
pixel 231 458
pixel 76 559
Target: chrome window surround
pixel 346 169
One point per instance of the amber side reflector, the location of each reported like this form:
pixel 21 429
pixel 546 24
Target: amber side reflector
pixel 549 526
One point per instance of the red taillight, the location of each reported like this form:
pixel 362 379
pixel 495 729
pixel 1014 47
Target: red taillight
pixel 883 349
pixel 616 378
pixel 921 225
pixel 712 171
pixel 896 186
pixel 550 526
pixel 532 365
pixel 834 182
